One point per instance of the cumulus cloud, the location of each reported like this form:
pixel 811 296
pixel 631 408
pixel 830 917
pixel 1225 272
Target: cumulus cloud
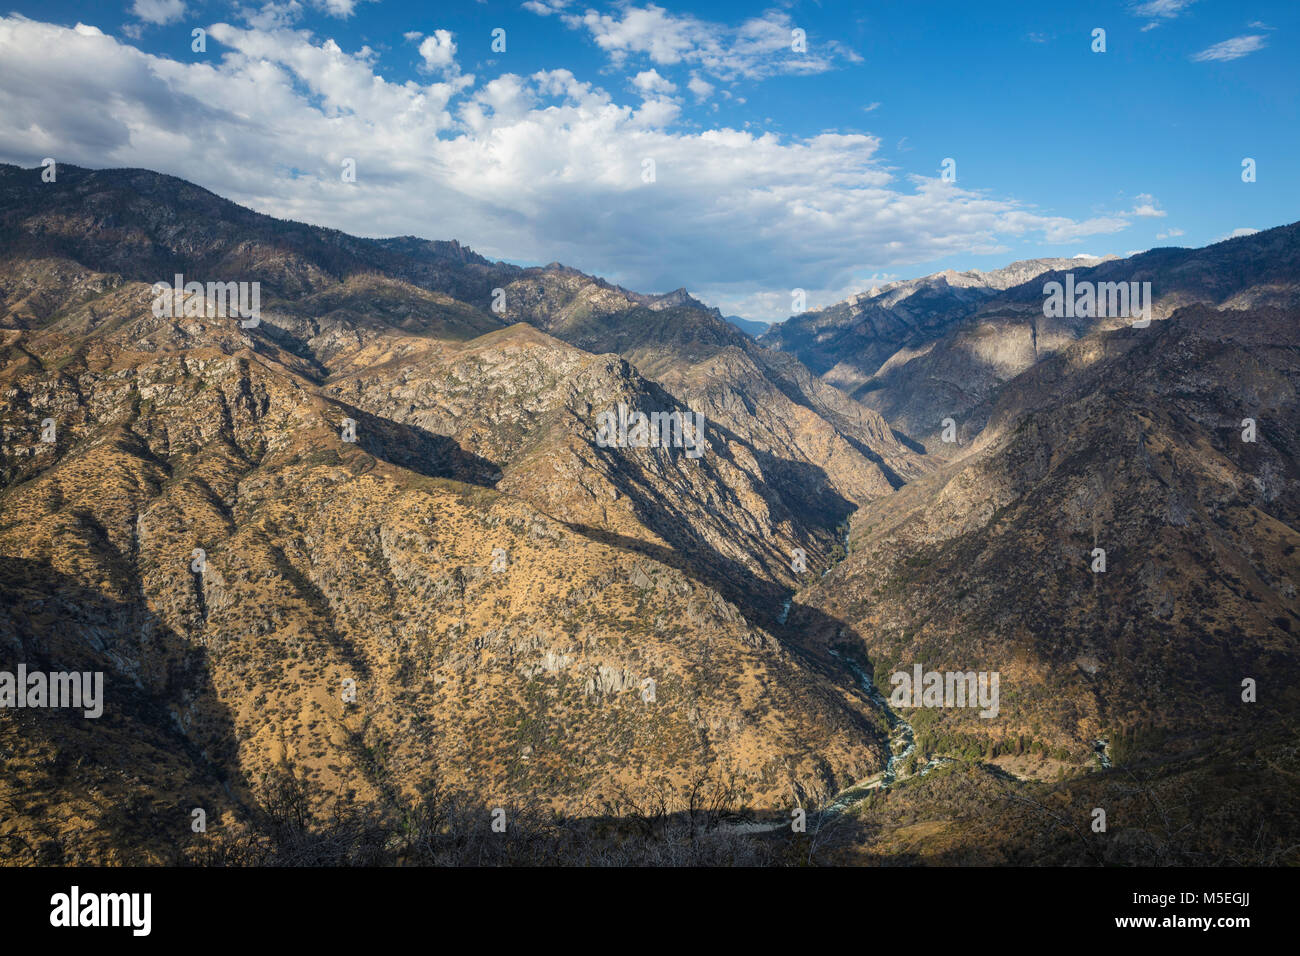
pixel 271 16
pixel 338 8
pixel 1232 49
pixel 702 89
pixel 649 81
pixel 544 8
pixel 438 52
pixel 532 168
pixel 1170 233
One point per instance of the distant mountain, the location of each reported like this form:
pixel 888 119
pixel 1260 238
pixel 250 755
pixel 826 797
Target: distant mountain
pixel 748 326
pixel 920 364
pixel 848 341
pixel 917 389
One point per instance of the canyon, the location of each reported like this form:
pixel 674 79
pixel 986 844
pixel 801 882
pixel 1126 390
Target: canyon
pixel 398 490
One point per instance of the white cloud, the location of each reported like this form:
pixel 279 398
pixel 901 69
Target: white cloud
pixel 1160 10
pixel 655 114
pixel 159 12
pixel 438 52
pixel 531 168
pixel 701 88
pixel 342 9
pixel 271 16
pixel 1238 233
pixel 1163 9
pixel 1061 229
pixel 544 8
pixel 649 81
pixel 1231 49
pixel 757 48
pixel 1146 207
pixel 1170 233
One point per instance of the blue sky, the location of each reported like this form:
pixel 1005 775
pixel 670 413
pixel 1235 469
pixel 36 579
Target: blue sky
pixel 774 168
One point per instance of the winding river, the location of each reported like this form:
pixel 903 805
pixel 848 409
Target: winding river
pixel 902 744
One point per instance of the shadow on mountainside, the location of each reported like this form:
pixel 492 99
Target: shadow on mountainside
pixel 1196 812
pixel 759 600
pixel 793 491
pixel 119 788
pixel 418 450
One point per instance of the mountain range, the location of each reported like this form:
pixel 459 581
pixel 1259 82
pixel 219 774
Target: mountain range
pixel 371 547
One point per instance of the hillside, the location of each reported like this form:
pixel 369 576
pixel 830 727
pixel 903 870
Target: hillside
pixel 526 616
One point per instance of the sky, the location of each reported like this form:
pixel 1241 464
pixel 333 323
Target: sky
pixel 737 150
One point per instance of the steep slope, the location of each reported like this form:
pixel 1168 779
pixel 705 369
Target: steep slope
pixel 529 404
pixel 771 400
pixel 327 561
pixel 1129 441
pixel 325 294
pixel 525 616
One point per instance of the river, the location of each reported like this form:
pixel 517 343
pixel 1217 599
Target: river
pixel 902 744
